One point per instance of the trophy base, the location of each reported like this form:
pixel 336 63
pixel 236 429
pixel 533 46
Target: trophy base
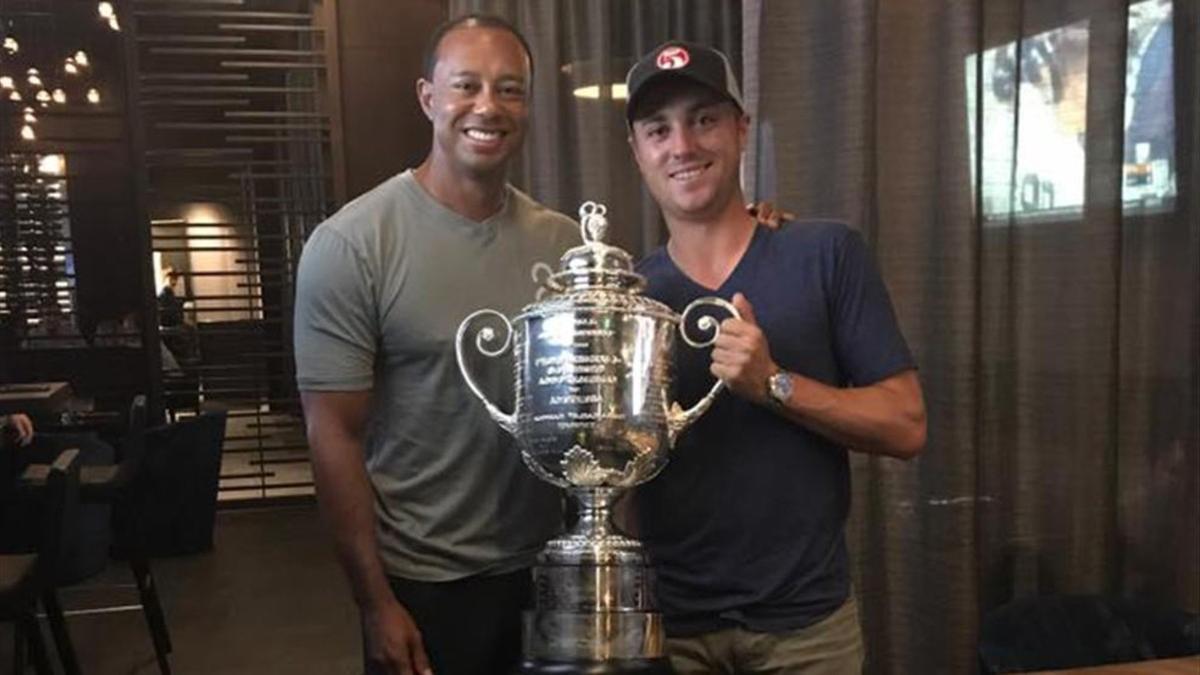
pixel 594 608
pixel 582 637
pixel 656 666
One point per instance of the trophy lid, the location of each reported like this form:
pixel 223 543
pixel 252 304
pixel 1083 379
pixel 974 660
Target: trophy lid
pixel 595 264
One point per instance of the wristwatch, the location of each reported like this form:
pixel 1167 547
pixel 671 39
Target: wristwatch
pixel 779 386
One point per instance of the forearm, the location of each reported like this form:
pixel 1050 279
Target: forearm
pixel 347 506
pixel 887 418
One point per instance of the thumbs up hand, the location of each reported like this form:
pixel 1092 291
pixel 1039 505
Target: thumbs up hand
pixel 741 356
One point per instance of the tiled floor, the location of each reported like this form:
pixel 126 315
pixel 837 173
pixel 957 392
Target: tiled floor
pixel 268 599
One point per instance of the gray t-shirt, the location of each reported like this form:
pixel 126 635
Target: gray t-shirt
pixel 382 287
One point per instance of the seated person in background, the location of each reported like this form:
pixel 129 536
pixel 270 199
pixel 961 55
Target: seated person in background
pixel 16 432
pixel 55 329
pixel 125 331
pixel 177 333
pixel 87 551
pixel 170 306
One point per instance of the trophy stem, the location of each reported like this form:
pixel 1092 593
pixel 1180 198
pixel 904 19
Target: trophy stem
pixel 595 512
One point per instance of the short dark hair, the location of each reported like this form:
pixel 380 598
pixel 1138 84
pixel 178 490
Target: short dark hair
pixel 470 21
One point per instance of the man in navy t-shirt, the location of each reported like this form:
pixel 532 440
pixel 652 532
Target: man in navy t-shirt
pixel 746 524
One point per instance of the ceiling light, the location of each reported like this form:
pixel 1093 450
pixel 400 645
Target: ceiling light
pixel 27 133
pixel 70 68
pixel 59 96
pixel 30 118
pixel 6 82
pixel 93 96
pixel 11 45
pixel 106 10
pixel 14 95
pixel 81 58
pixel 112 23
pixel 43 96
pixel 617 91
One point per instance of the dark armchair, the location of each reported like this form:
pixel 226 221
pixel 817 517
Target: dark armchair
pixel 1075 631
pixel 27 577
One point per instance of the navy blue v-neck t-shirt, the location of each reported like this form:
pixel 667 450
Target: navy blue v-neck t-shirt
pixel 745 524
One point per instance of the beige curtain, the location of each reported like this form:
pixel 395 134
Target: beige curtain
pixel 1053 300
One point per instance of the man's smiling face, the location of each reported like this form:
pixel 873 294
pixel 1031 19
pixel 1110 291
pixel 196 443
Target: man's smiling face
pixel 477 99
pixel 688 141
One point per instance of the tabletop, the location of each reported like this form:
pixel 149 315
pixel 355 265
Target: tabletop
pixel 34 397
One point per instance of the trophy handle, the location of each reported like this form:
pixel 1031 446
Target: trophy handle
pixel 679 419
pixel 507 421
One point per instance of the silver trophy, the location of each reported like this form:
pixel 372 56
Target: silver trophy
pixel 593 366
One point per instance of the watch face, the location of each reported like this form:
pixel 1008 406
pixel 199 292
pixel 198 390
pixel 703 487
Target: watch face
pixel 781 387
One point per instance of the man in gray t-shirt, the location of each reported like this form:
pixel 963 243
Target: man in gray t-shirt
pixel 383 286
pixel 435 519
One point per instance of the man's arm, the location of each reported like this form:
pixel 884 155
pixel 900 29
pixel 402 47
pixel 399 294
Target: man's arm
pixel 885 418
pixel 335 423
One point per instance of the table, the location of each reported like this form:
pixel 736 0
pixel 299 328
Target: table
pixel 34 397
pixel 1186 665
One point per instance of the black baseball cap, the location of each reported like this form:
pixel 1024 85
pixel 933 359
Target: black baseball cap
pixel 701 64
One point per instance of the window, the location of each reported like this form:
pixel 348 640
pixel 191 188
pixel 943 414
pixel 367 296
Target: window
pixel 1149 171
pixel 1045 112
pixel 1034 113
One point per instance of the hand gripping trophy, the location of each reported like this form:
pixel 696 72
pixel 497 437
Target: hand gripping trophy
pixel 593 366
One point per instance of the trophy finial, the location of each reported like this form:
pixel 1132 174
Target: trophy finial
pixel 593 224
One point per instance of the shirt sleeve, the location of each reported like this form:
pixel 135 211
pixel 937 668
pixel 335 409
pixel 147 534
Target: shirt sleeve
pixel 336 325
pixel 868 343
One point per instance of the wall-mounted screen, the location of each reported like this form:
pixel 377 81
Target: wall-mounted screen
pixel 1034 99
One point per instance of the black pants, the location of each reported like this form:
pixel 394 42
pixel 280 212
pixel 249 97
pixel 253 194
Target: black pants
pixel 470 626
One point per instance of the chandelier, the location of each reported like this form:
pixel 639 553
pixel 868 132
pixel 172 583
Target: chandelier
pixel 34 79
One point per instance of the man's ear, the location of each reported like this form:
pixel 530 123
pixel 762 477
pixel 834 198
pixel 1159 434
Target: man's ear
pixel 425 97
pixel 633 148
pixel 744 130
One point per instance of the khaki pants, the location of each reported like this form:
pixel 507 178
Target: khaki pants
pixel 832 646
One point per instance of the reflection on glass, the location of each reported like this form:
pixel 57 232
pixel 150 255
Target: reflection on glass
pixel 1046 116
pixel 1149 172
pixel 1046 111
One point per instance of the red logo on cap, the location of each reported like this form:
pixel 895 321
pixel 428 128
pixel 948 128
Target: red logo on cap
pixel 672 58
